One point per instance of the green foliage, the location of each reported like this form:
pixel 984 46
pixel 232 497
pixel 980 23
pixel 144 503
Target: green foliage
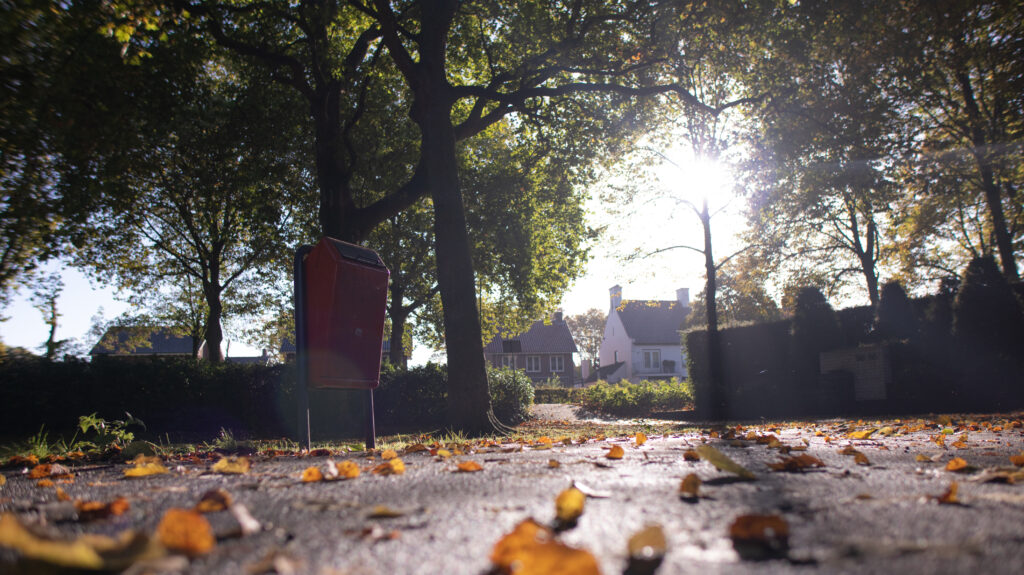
pixel 636 399
pixel 100 434
pixel 895 318
pixel 987 314
pixel 411 397
pixel 511 395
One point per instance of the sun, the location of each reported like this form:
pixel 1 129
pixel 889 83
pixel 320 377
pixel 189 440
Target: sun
pixel 687 176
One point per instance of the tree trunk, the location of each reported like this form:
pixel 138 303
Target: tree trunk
pixel 716 389
pixel 398 315
pixel 214 333
pixel 51 341
pixel 469 402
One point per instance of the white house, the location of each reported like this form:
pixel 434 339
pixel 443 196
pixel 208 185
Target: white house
pixel 643 338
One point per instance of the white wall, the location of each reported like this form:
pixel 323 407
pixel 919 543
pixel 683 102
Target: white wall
pixel 615 339
pixel 668 353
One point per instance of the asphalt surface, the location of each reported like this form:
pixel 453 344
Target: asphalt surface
pixel 845 517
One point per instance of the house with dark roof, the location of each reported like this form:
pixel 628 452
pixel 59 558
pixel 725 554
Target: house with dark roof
pixel 545 351
pixel 141 341
pixel 288 351
pixel 643 338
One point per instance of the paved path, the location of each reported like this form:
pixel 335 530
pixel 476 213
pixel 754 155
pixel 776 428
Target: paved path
pixel 883 517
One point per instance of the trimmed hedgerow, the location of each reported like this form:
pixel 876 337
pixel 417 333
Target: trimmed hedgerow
pixel 635 399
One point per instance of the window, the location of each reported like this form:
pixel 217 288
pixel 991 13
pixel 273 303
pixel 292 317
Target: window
pixel 652 359
pixel 557 364
pixel 533 363
pixel 508 361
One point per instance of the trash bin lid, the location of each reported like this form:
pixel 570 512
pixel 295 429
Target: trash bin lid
pixel 356 253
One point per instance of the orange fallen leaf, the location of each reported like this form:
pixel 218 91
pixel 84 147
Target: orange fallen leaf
pixel 214 500
pixel 640 438
pixel 554 463
pixel 647 547
pixel 861 459
pixel 3 480
pixel 416 448
pixel 468 467
pixel 923 458
pixel 40 471
pixel 1017 460
pixel 797 463
pixel 690 487
pixel 232 466
pixel 62 495
pixel 569 505
pixel 392 467
pixel 312 475
pixel 347 469
pixel 949 497
pixel 95 510
pixel 530 549
pixel 616 452
pixel 956 464
pixel 186 531
pixel 759 536
pixel 691 455
pixel 388 454
pixel 44 483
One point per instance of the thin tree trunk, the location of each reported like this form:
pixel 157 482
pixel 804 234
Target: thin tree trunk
pixel 716 389
pixel 214 333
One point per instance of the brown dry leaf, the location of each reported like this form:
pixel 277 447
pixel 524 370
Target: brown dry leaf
pixel 468 467
pixel 3 480
pixel 416 448
pixel 62 495
pixel 923 458
pixel 957 464
pixel 848 450
pixel 530 549
pixel 616 452
pixel 94 510
pixel 347 469
pixel 797 463
pixel 569 505
pixel 44 483
pixel 690 487
pixel 554 463
pixel 861 459
pixel 1017 460
pixel 545 440
pixel 949 497
pixel 640 438
pixel 691 455
pixel 388 454
pixel 186 531
pixel 759 536
pixel 392 467
pixel 145 467
pixel 312 475
pixel 232 465
pixel 384 512
pixel 723 463
pixel 40 471
pixel 648 544
pixel 214 500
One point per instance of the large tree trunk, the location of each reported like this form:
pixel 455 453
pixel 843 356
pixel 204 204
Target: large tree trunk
pixel 398 315
pixel 469 402
pixel 214 333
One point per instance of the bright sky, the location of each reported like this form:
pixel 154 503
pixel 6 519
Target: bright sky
pixel 653 220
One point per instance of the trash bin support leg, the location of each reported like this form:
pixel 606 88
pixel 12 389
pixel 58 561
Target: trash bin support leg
pixel 371 431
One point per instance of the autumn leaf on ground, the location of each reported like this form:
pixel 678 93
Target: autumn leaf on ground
pixel 40 471
pixel 468 467
pixel 723 463
pixel 44 483
pixel 347 470
pixel 312 475
pixel 384 512
pixel 531 549
pixel 3 480
pixel 415 448
pixel 861 459
pixel 616 452
pixel 95 510
pixel 388 454
pixel 569 506
pixel 640 438
pixel 443 453
pixel 186 531
pixel 232 465
pixel 554 463
pixel 647 549
pixel 91 552
pixel 392 467
pixel 864 434
pixel 691 455
pixel 756 537
pixel 214 500
pixel 690 487
pixel 958 464
pixel 145 466
pixel 1017 460
pixel 949 497
pixel 797 463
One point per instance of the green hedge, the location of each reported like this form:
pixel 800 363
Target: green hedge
pixel 558 395
pixel 634 399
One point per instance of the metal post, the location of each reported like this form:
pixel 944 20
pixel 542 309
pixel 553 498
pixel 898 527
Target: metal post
pixel 371 429
pixel 301 355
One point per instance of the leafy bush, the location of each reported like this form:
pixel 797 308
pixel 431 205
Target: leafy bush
pixel 415 396
pixel 895 319
pixel 511 395
pixel 632 399
pixel 987 314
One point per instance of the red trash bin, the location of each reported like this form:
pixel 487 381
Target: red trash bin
pixel 346 290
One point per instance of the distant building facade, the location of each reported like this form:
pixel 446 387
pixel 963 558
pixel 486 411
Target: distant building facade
pixel 139 341
pixel 546 351
pixel 643 338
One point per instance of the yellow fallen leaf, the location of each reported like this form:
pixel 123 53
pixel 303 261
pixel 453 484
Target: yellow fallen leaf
pixel 886 431
pixel 862 434
pixel 531 549
pixel 949 497
pixel 444 453
pixel 554 463
pixel 690 487
pixel 312 475
pixel 232 465
pixel 616 452
pixel 62 495
pixel 468 467
pixel 723 463
pixel 957 464
pixel 384 512
pixel 214 500
pixel 640 438
pixel 146 469
pixel 923 458
pixel 569 505
pixel 3 480
pixel 392 467
pixel 186 531
pixel 87 552
pixel 648 544
pixel 388 454
pixel 348 470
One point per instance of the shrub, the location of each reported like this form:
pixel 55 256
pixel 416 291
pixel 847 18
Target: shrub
pixel 987 314
pixel 415 396
pixel 511 395
pixel 632 399
pixel 895 318
pixel 814 329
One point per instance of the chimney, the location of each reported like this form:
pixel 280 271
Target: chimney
pixel 556 317
pixel 616 295
pixel 683 296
